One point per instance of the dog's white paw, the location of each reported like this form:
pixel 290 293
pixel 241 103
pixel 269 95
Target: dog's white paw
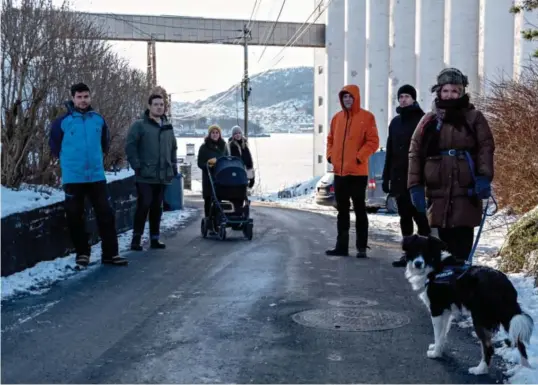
pixel 434 353
pixel 431 346
pixel 482 368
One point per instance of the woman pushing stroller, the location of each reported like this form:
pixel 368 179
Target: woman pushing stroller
pixel 213 147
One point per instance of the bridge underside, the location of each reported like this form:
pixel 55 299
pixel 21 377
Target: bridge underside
pixel 181 29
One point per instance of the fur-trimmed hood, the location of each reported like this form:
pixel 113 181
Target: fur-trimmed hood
pixel 242 144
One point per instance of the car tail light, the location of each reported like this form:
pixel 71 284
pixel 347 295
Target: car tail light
pixel 371 184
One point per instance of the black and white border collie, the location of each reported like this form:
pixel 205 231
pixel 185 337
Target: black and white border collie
pixel 447 289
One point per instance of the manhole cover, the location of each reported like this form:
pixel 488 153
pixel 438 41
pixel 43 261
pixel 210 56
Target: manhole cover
pixel 352 302
pixel 351 320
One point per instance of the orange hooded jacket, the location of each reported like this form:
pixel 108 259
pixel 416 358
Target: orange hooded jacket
pixel 353 137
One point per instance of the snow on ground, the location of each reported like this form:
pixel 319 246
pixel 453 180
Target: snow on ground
pixel 491 240
pixel 30 197
pixel 196 188
pixel 38 279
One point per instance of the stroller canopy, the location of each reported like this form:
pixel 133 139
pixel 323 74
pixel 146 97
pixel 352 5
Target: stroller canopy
pixel 230 171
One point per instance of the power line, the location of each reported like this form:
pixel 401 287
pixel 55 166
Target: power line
pixel 290 43
pixel 272 30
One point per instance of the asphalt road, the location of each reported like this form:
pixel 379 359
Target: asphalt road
pixel 207 311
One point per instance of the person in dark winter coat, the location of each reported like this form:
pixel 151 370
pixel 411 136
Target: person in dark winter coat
pixel 451 164
pixel 238 146
pixel 151 149
pixel 214 147
pixel 401 130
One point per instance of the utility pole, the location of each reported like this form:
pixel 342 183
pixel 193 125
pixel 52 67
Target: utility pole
pixel 245 90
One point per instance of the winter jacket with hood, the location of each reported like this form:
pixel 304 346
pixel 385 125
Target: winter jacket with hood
pixel 240 149
pixel 448 179
pixel 352 138
pixel 152 149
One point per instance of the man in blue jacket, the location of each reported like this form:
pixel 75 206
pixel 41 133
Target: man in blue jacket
pixel 79 139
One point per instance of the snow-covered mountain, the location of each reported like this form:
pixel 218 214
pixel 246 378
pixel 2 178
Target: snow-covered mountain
pixel 280 99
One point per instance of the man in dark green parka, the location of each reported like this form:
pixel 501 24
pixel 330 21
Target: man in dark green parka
pixel 151 150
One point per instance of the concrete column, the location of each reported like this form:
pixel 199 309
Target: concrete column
pixel 461 34
pixel 335 36
pixel 378 67
pixel 524 49
pixel 355 43
pixel 429 47
pixel 496 44
pixel 335 45
pixel 402 49
pixel 320 128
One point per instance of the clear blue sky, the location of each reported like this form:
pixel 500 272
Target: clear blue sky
pixel 187 67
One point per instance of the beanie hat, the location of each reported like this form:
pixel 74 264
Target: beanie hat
pixel 214 127
pixel 237 130
pixel 450 76
pixel 409 90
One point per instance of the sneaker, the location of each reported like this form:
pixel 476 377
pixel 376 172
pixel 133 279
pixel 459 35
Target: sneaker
pixel 116 260
pixel 400 262
pixel 336 252
pixel 362 253
pixel 156 244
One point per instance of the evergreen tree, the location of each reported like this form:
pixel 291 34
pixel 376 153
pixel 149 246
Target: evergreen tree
pixel 530 33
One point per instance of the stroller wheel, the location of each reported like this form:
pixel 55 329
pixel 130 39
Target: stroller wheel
pixel 222 233
pixel 248 230
pixel 203 227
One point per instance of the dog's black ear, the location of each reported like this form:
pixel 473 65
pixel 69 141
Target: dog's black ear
pixel 437 243
pixel 408 241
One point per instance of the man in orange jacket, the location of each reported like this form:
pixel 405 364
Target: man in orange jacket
pixel 353 138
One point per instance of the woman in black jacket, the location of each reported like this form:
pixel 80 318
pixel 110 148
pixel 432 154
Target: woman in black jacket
pixel 214 147
pixel 238 146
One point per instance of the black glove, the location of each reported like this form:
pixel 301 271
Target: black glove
pixel 329 160
pixel 175 171
pixel 386 186
pixel 250 183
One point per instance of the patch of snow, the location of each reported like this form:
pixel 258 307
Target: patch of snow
pixel 196 188
pixel 30 197
pixel 38 279
pixel 304 190
pixel 122 174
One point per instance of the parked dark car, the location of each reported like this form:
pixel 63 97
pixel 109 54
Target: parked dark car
pixel 375 197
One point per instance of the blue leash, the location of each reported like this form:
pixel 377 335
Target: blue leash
pixel 492 199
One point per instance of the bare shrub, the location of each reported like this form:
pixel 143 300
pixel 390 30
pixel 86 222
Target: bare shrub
pixel 45 50
pixel 512 112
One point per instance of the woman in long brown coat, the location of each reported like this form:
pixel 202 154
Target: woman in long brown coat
pixel 451 164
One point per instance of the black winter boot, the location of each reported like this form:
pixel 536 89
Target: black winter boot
pixel 337 252
pixel 136 243
pixel 362 253
pixel 156 244
pixel 402 262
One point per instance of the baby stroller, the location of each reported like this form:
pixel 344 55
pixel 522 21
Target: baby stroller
pixel 230 206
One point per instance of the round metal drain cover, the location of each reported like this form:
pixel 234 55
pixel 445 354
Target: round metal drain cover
pixel 352 302
pixel 351 319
